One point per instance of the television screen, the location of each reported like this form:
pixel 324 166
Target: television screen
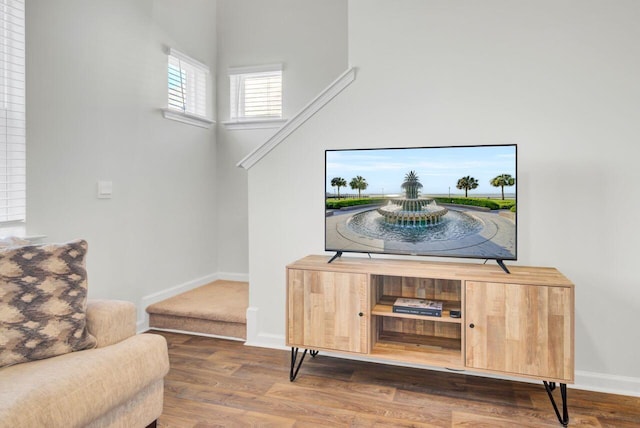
pixel 431 201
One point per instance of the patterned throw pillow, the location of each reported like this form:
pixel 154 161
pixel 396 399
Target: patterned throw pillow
pixel 43 299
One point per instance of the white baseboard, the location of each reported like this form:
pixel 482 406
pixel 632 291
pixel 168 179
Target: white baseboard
pixel 143 317
pixel 260 339
pixel 252 323
pixel 231 276
pixel 271 341
pixel 610 384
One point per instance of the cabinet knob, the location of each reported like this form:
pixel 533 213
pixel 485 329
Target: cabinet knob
pixel 360 314
pixel 472 325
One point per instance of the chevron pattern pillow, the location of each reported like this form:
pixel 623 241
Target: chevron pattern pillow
pixel 43 299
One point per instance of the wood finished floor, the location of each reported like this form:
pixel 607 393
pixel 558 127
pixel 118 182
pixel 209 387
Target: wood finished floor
pixel 220 383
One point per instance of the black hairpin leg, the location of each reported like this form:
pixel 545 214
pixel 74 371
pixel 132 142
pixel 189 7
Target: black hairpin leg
pixel 550 386
pixel 293 372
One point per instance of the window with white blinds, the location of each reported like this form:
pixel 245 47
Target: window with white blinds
pixel 12 112
pixel 256 93
pixel 187 85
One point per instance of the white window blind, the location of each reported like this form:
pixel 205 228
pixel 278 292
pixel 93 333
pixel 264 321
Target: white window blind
pixel 187 87
pixel 12 112
pixel 256 93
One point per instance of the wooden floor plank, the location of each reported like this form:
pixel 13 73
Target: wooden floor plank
pixel 221 383
pixel 474 420
pixel 366 391
pixel 337 401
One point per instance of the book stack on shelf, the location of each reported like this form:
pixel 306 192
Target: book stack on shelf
pixel 429 308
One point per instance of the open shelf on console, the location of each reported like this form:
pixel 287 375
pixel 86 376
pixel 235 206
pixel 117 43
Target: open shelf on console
pixel 419 349
pixel 419 339
pixel 384 308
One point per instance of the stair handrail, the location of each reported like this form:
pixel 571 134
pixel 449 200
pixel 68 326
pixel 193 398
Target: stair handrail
pixel 299 118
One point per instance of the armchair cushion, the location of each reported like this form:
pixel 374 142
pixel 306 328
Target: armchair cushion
pixel 74 389
pixel 43 298
pixel 110 321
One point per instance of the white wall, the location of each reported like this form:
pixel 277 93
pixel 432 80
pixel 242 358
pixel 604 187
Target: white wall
pixel 310 38
pixel 96 79
pixel 560 79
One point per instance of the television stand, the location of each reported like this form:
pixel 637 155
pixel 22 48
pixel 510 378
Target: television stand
pixel 338 254
pixel 502 265
pixel 347 307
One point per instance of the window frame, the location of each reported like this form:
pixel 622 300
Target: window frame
pixel 188 97
pixel 238 77
pixel 13 192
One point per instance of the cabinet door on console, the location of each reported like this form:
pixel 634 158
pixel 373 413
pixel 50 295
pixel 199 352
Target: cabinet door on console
pixel 520 329
pixel 327 310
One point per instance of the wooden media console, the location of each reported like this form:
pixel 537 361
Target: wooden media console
pixel 519 324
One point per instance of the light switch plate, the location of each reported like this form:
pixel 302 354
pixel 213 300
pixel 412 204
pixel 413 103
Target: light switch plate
pixel 105 189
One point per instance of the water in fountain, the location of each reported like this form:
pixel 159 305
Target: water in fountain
pixel 455 225
pixel 412 212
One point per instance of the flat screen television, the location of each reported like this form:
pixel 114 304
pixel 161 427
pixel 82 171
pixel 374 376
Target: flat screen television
pixel 454 201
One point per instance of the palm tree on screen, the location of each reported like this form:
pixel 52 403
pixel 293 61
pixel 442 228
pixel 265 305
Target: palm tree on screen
pixel 338 182
pixel 503 180
pixel 467 183
pixel 358 183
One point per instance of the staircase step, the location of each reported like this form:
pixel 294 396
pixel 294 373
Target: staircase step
pixel 218 308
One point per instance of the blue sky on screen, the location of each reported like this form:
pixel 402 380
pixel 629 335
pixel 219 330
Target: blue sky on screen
pixel 438 168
